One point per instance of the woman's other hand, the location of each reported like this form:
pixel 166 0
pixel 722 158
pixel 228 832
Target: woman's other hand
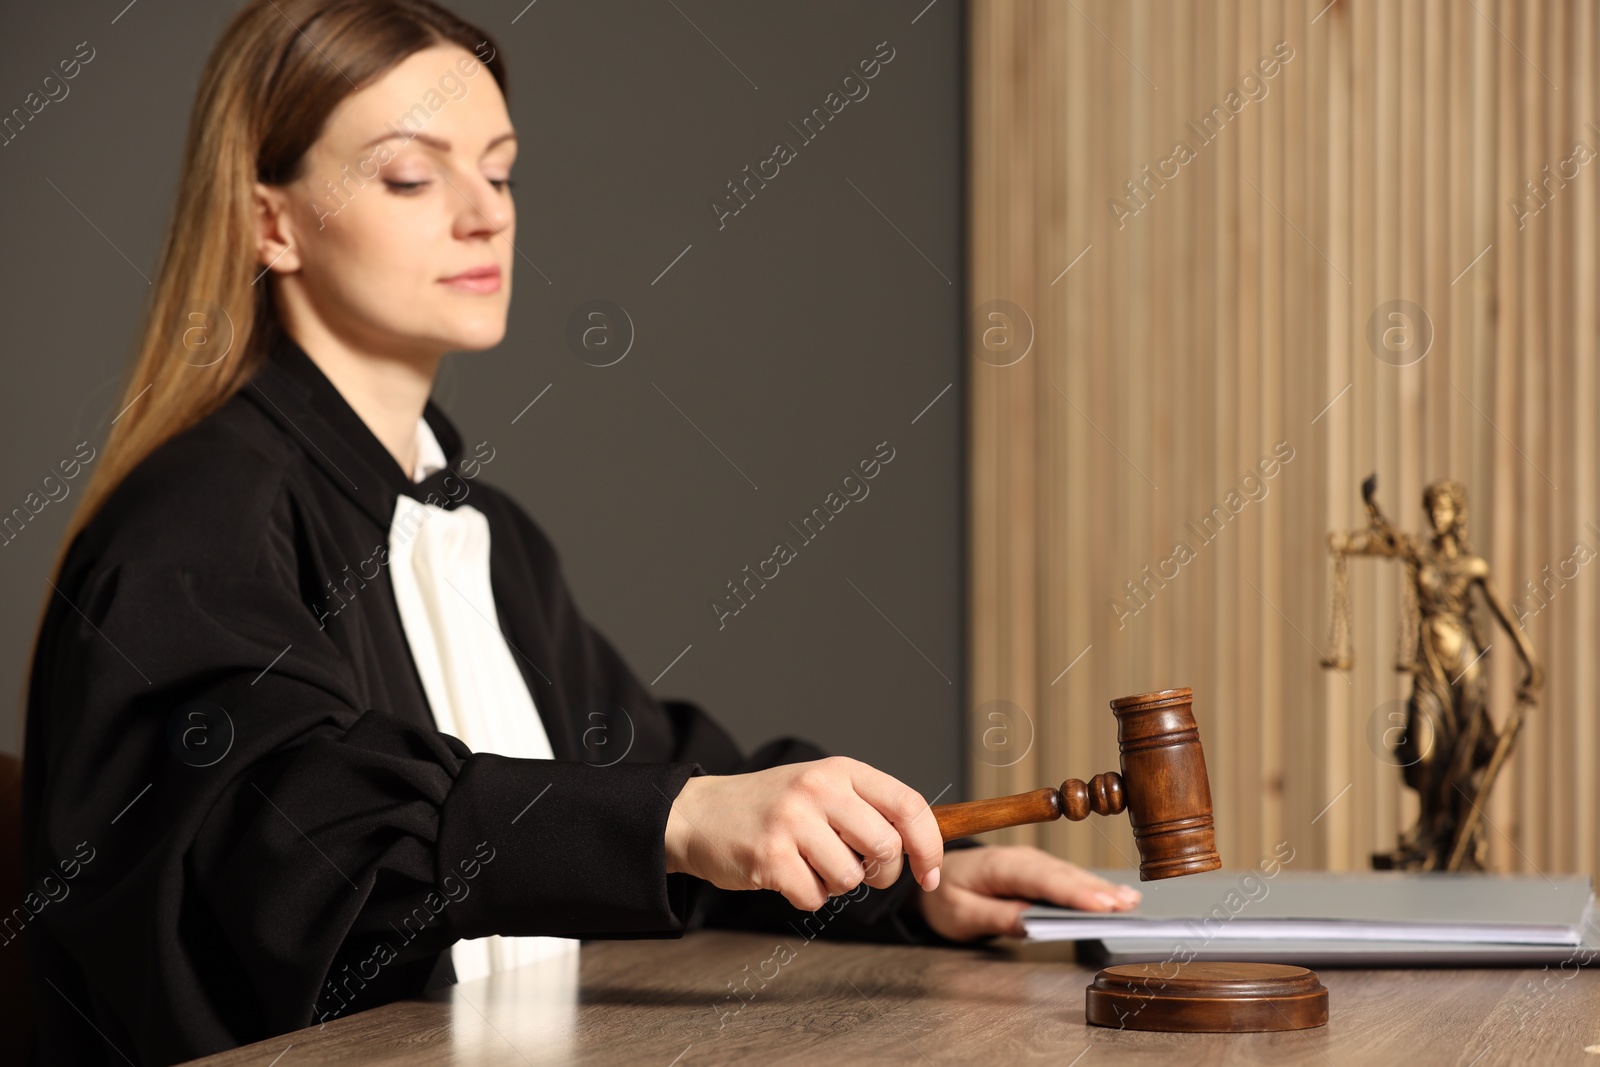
pixel 804 830
pixel 985 890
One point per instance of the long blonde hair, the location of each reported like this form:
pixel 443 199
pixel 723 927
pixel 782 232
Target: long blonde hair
pixel 277 72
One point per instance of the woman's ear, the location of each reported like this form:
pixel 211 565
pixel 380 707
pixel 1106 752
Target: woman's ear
pixel 275 243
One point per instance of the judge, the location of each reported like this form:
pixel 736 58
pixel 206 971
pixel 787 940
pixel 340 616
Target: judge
pixel 310 724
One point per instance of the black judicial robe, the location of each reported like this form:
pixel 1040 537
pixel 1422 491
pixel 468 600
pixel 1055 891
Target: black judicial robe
pixel 230 594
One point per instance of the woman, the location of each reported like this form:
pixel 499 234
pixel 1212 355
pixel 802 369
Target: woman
pixel 312 714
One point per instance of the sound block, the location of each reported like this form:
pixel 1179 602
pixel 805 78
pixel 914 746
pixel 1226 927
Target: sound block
pixel 1207 997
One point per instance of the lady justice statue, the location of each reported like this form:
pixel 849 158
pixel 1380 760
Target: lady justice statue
pixel 1450 751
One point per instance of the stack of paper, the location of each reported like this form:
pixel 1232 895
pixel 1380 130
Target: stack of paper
pixel 1367 918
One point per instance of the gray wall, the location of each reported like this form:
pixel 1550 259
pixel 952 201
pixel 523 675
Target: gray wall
pixel 778 351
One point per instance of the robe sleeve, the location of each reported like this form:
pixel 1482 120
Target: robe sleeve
pixel 251 820
pixel 867 914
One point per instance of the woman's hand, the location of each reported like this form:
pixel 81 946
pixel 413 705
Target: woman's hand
pixel 985 890
pixel 804 830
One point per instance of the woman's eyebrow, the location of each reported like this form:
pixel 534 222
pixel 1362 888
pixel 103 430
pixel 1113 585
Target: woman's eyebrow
pixel 435 142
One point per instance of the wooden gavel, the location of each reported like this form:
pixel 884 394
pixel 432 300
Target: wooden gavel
pixel 1163 787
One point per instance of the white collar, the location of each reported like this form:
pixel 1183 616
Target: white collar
pixel 430 456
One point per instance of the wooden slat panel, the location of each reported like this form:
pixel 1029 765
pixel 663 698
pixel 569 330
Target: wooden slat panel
pixel 1584 620
pixel 1222 306
pixel 1340 733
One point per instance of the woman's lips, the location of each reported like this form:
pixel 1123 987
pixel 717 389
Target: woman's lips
pixel 477 280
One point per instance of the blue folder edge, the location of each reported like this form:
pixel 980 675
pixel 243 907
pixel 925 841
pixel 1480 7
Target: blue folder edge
pixel 1353 953
pixel 1359 954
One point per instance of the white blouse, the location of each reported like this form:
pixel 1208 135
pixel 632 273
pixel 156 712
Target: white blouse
pixel 439 567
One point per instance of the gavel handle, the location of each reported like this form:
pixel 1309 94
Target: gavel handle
pixel 1102 794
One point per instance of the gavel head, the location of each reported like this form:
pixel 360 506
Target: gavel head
pixel 1164 781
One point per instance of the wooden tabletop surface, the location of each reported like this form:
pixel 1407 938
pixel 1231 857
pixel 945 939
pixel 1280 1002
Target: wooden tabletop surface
pixel 670 1004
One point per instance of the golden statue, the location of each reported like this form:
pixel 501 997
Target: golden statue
pixel 1450 751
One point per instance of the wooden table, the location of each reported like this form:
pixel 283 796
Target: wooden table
pixel 672 1004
